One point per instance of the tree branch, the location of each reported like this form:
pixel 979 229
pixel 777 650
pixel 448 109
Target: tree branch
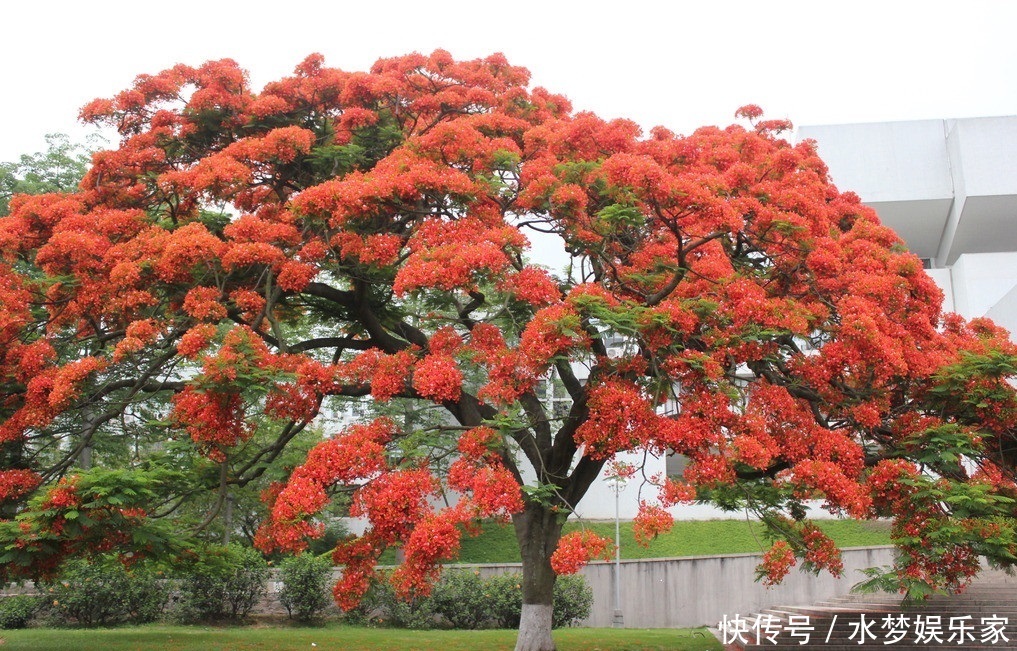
pixel 332 342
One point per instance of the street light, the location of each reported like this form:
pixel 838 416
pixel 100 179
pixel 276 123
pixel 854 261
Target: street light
pixel 617 483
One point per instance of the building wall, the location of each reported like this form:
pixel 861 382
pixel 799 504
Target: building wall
pixel 981 280
pixel 949 189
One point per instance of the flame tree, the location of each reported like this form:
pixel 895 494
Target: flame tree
pixel 251 260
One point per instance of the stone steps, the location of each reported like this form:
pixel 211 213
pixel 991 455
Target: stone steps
pixel 982 617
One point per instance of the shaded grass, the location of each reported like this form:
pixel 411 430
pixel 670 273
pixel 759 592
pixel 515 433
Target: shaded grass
pixel 348 638
pixel 497 543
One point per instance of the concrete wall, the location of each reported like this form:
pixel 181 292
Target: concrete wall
pixel 886 161
pixel 681 592
pixel 981 280
pixel 684 592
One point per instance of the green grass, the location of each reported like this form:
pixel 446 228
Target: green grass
pixel 186 638
pixel 497 543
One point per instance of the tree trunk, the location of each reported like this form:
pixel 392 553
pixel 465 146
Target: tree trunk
pixel 85 458
pixel 537 530
pixel 227 520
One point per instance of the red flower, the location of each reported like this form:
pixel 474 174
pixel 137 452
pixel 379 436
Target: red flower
pixel 578 548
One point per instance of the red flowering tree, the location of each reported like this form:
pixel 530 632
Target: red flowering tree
pixel 252 260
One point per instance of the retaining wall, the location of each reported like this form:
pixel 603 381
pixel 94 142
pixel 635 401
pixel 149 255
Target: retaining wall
pixel 699 591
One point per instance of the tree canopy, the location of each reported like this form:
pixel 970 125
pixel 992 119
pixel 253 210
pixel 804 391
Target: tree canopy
pixel 247 263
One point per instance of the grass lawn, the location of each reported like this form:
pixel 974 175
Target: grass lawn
pixel 187 638
pixel 497 543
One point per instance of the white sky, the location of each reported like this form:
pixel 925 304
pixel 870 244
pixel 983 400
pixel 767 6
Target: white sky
pixel 680 64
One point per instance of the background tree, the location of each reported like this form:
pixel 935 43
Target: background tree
pixel 245 264
pixel 58 169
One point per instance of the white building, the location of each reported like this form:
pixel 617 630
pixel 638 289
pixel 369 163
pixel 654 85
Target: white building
pixel 949 188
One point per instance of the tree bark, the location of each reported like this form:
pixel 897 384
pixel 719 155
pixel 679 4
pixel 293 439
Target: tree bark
pixel 538 530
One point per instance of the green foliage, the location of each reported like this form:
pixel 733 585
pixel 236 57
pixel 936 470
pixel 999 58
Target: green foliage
pixel 214 220
pixel 464 600
pixel 505 160
pixel 224 583
pixel 387 609
pixel 460 598
pixel 58 169
pixel 369 144
pixel 578 171
pixel 976 389
pixel 337 159
pixel 541 493
pixel 17 611
pixel 942 447
pixel 147 595
pixel 887 579
pixel 103 512
pixel 573 600
pixel 198 482
pixel 335 532
pixel 505 596
pixel 101 592
pixel 976 517
pixel 305 592
pixel 621 215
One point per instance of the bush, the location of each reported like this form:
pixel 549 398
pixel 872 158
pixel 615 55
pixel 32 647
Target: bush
pixel 101 591
pixel 89 594
pixel 305 590
pixel 225 583
pixel 386 609
pixel 573 600
pixel 460 598
pixel 147 595
pixel 505 599
pixel 464 600
pixel 17 611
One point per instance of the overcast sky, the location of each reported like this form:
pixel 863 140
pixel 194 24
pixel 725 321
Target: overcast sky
pixel 680 64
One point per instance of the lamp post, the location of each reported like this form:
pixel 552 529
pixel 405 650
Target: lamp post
pixel 617 483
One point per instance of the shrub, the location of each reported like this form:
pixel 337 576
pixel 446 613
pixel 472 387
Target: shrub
pixel 464 600
pixel 505 599
pixel 460 597
pixel 305 590
pixel 17 611
pixel 101 591
pixel 224 583
pixel 90 594
pixel 147 595
pixel 573 600
pixel 386 609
